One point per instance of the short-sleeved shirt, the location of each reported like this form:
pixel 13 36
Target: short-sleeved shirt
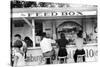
pixel 79 42
pixel 45 45
pixel 62 42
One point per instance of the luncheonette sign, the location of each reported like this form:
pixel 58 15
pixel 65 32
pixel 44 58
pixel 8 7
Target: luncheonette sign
pixel 53 14
pixel 34 56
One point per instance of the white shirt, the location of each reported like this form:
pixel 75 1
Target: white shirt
pixel 45 45
pixel 79 42
pixel 20 62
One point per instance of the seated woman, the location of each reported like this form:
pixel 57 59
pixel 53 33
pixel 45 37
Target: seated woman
pixel 62 42
pixel 79 55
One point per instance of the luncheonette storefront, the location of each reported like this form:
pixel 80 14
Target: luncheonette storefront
pixel 32 22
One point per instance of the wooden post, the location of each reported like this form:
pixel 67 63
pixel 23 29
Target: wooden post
pixel 54 29
pixel 32 27
pixel 27 22
pixel 33 32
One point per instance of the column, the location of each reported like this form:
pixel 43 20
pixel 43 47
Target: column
pixel 84 24
pixel 54 29
pixel 33 32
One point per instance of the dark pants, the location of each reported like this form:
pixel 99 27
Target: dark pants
pixel 25 54
pixel 48 61
pixel 75 58
pixel 79 52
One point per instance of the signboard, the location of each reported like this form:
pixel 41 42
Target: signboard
pixel 53 14
pixel 90 53
pixel 35 57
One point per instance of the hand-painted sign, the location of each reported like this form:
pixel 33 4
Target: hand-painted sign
pixel 54 14
pixel 47 14
pixel 35 57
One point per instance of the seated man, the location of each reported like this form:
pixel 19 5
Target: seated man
pixel 46 47
pixel 79 52
pixel 79 55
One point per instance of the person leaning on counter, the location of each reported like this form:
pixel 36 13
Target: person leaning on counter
pixel 46 47
pixel 62 42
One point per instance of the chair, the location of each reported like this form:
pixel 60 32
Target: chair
pixel 80 58
pixel 48 60
pixel 64 59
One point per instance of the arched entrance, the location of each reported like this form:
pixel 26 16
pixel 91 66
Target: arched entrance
pixel 69 25
pixel 69 28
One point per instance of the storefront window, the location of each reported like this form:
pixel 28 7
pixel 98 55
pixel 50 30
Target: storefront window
pixel 38 32
pixel 69 27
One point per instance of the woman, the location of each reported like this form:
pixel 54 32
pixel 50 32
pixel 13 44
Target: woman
pixel 28 43
pixel 62 42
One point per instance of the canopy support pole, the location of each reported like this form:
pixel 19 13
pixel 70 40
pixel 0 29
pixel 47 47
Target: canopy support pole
pixel 32 27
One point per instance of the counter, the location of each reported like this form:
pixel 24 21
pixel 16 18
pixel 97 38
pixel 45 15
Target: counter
pixel 34 55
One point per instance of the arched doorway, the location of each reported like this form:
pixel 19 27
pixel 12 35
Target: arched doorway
pixel 69 28
pixel 69 25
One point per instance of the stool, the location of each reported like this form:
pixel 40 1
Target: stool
pixel 64 58
pixel 80 58
pixel 48 60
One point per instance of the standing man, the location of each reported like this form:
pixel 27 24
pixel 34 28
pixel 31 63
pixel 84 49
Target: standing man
pixel 18 52
pixel 19 41
pixel 46 47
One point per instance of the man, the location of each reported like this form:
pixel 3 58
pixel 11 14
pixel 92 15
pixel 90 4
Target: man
pixel 79 55
pixel 18 39
pixel 19 42
pixel 46 47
